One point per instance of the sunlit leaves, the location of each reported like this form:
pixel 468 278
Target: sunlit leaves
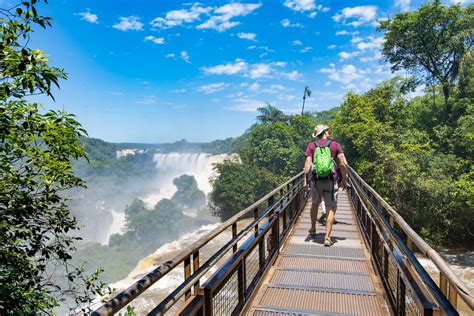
pixel 36 148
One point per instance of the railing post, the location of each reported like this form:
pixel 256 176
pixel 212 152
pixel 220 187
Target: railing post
pixel 270 200
pixel 195 268
pixel 187 274
pixel 284 210
pixel 453 295
pixel 443 284
pixel 234 234
pixel 241 282
pixel 276 233
pixel 207 302
pixel 255 215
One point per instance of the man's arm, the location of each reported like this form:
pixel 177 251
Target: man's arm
pixel 342 162
pixel 307 169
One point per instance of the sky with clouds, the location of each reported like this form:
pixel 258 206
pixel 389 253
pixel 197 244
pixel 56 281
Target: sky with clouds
pixel 160 71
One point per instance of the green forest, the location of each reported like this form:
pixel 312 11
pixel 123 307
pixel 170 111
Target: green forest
pixel 416 151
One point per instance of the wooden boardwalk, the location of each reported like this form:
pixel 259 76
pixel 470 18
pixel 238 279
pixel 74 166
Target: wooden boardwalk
pixel 310 279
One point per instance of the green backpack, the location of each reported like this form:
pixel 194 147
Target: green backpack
pixel 323 163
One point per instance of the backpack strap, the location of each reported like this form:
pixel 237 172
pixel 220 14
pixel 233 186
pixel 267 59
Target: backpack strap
pixel 326 144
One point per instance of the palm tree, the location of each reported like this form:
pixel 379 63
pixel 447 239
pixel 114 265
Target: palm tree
pixel 271 114
pixel 306 93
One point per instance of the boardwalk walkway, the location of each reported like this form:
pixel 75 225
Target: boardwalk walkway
pixel 310 279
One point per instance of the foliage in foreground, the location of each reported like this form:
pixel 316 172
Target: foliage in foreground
pixel 35 153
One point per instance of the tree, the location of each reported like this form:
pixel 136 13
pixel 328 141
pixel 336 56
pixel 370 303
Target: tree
pixel 35 154
pixel 271 114
pixel 188 194
pixel 432 40
pixel 306 93
pixel 237 186
pixel 273 147
pixel 147 230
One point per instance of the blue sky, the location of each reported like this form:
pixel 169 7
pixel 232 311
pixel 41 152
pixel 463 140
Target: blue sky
pixel 159 71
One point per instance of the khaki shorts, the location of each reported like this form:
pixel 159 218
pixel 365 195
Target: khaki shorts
pixel 326 189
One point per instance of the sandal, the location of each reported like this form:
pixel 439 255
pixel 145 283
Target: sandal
pixel 328 242
pixel 312 231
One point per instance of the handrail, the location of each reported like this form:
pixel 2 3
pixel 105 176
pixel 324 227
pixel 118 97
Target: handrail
pixel 129 294
pixel 461 289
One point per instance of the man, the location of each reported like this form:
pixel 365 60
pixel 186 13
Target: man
pixel 324 188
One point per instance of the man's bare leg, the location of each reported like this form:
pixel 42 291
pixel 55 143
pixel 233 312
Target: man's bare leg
pixel 329 222
pixel 314 216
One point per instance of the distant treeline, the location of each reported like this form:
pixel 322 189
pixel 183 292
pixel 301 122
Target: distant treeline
pixel 103 150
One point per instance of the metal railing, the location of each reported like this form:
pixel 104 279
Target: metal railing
pixel 233 284
pixel 392 242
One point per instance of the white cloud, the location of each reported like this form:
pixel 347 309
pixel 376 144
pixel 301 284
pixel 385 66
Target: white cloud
pixel 274 88
pixel 260 70
pixel 331 95
pixel 89 17
pixel 375 57
pixel 346 55
pixel 324 9
pixel 286 97
pixel 170 56
pixel 345 32
pixel 129 23
pixel 356 40
pixel 254 86
pixel 148 100
pixel 212 87
pixel 305 6
pixel 219 17
pixel 220 21
pixel 184 56
pixel 248 36
pixel 178 17
pixel 239 66
pixel 332 46
pixel 156 40
pixel 357 16
pixel 371 43
pixel 246 105
pixel 403 5
pixel 293 75
pixel 178 90
pixel 279 63
pixel 277 87
pixel 254 71
pixel 306 49
pixel 346 75
pixel 300 5
pixel 287 23
pixel 297 43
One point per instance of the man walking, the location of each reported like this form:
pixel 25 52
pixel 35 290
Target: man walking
pixel 320 155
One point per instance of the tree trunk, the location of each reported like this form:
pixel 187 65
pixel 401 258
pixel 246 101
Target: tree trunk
pixel 447 104
pixel 446 92
pixel 302 109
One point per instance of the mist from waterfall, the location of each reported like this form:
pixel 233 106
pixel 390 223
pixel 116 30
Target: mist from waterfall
pixel 169 166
